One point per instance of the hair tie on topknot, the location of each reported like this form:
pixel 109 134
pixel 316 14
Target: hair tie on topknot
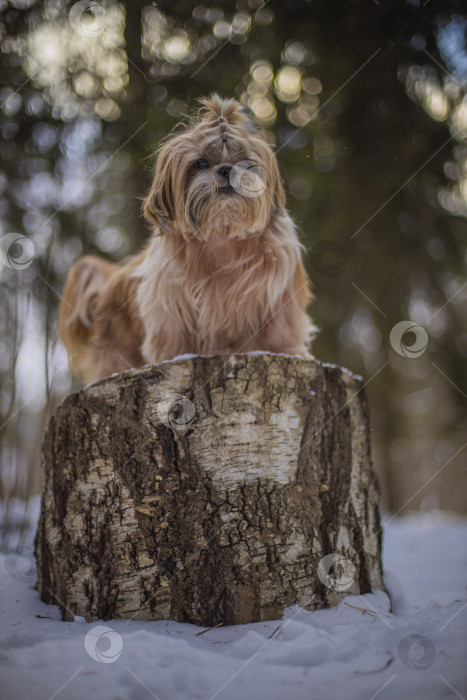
pixel 223 129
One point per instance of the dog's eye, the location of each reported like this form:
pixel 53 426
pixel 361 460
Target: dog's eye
pixel 202 163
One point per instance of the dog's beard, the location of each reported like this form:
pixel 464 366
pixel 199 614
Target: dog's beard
pixel 213 209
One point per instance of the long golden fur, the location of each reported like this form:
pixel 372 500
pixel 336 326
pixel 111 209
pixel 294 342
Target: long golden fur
pixel 222 272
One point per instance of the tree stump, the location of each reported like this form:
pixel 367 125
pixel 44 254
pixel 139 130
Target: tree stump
pixel 209 490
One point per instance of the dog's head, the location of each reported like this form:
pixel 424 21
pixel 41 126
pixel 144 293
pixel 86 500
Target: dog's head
pixel 217 175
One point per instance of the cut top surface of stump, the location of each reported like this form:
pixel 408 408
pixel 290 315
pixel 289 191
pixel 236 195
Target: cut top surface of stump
pixel 208 489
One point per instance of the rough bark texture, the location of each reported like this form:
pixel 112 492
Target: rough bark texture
pixel 208 490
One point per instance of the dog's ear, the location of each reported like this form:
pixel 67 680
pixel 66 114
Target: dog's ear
pixel 159 204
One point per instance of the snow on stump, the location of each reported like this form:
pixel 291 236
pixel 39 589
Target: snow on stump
pixel 209 490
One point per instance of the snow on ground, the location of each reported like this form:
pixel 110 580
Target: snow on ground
pixel 417 651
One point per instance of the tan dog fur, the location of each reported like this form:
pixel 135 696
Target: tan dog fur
pixel 222 272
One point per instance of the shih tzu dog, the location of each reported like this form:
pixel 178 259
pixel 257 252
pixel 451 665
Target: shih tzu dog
pixel 222 272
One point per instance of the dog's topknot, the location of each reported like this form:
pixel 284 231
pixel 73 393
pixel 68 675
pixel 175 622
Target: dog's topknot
pixel 216 108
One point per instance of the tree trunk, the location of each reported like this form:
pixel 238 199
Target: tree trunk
pixel 209 490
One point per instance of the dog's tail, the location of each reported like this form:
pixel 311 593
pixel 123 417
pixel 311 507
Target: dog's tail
pixel 98 323
pixel 79 311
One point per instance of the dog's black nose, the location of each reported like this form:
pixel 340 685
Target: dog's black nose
pixel 224 171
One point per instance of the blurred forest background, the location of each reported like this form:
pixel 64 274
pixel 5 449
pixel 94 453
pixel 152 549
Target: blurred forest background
pixel 365 105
